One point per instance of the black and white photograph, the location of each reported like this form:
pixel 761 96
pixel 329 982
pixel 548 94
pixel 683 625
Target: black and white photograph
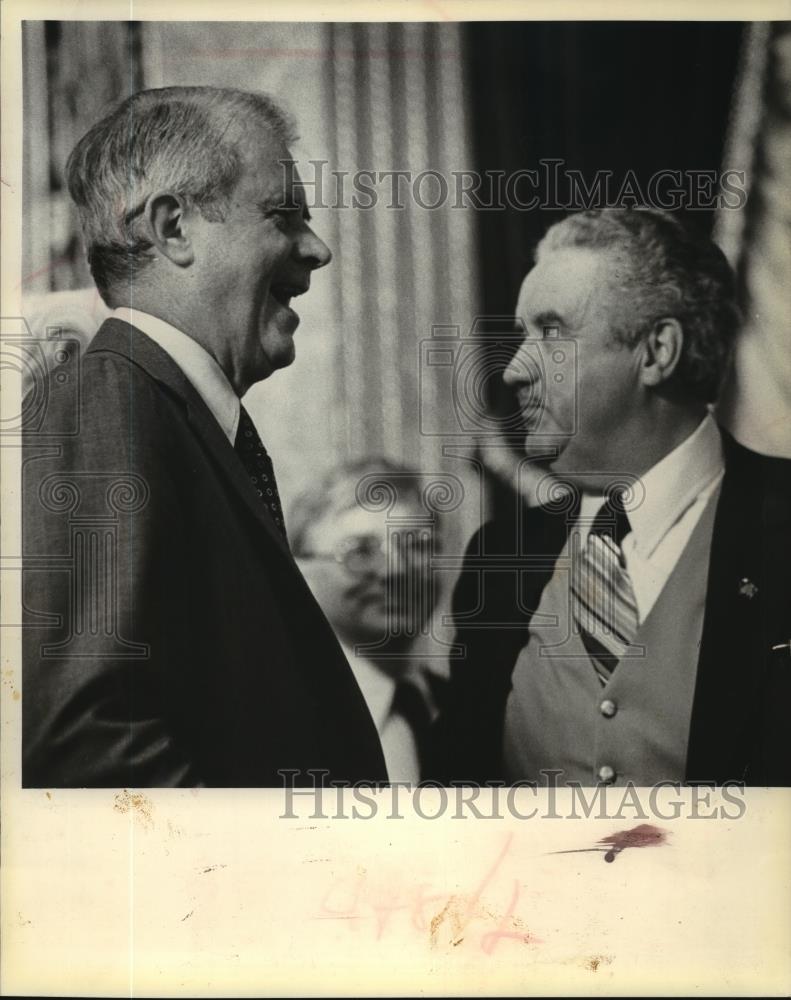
pixel 397 502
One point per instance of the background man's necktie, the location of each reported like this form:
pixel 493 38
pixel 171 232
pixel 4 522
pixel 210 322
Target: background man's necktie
pixel 410 703
pixel 256 460
pixel 602 598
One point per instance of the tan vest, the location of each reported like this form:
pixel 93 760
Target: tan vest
pixel 636 727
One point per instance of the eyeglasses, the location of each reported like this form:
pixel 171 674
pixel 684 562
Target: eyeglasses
pixel 361 554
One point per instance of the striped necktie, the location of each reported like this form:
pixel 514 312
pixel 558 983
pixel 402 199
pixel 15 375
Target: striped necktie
pixel 602 598
pixel 255 458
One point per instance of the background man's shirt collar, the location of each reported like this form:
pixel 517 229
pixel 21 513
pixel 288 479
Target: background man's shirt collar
pixel 378 687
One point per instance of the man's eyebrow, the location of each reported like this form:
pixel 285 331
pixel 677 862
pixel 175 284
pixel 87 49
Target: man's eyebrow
pixel 549 318
pixel 285 203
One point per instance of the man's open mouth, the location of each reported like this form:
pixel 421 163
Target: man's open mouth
pixel 283 293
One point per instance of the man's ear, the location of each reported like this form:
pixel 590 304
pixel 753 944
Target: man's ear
pixel 661 351
pixel 165 214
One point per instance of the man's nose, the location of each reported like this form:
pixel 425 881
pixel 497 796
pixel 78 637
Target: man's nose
pixel 524 367
pixel 313 250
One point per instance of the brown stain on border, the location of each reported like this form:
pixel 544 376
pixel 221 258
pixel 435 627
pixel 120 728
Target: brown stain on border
pixel 595 961
pixel 460 911
pixel 135 802
pixel 454 912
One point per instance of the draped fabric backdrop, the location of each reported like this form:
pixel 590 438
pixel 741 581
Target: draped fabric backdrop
pixel 757 401
pixel 73 71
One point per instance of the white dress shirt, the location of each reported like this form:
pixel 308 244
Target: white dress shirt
pixel 206 376
pixel 395 733
pixel 676 491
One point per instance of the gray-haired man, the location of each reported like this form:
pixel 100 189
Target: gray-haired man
pixel 643 619
pixel 178 644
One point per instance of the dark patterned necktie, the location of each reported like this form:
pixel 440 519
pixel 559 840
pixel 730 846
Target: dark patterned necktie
pixel 602 597
pixel 250 448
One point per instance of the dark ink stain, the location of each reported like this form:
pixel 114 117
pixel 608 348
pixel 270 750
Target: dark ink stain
pixel 187 916
pixel 212 868
pixel 643 835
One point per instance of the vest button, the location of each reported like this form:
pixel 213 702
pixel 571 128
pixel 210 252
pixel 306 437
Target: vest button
pixel 608 708
pixel 606 774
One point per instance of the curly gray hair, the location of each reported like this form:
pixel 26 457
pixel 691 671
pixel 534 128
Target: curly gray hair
pixel 667 271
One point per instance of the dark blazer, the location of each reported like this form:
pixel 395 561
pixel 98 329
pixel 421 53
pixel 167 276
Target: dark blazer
pixel 739 729
pixel 170 638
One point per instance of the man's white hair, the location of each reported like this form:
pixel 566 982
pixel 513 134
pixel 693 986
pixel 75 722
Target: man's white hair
pixel 179 139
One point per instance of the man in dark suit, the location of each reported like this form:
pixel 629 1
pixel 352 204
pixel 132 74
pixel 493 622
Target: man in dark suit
pixel 635 626
pixel 170 638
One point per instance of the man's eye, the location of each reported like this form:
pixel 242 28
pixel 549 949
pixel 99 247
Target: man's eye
pixel 282 217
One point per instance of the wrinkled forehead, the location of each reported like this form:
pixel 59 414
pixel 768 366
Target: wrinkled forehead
pixel 565 282
pixel 268 167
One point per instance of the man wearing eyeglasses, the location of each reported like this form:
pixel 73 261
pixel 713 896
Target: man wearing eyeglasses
pixel 369 566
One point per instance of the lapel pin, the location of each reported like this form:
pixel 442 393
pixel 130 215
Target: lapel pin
pixel 747 588
pixel 782 645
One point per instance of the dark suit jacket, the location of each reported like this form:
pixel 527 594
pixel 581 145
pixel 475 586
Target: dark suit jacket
pixel 740 718
pixel 170 638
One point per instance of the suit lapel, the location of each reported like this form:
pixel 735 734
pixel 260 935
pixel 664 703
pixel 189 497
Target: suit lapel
pixel 545 532
pixel 121 338
pixel 726 707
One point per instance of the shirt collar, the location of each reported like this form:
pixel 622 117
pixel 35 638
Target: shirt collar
pixel 378 687
pixel 198 365
pixel 671 486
